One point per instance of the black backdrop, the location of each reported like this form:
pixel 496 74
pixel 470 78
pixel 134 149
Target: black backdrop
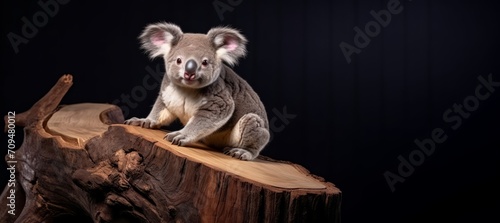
pixel 352 123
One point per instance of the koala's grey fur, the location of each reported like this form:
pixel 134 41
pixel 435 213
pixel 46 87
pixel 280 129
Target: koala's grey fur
pixel 215 105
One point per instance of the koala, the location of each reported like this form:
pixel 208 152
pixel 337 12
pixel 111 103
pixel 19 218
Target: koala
pixel 216 106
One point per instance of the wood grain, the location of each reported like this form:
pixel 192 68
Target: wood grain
pixel 276 174
pixel 79 164
pixel 79 122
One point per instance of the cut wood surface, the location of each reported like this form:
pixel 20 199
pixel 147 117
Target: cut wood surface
pixel 78 123
pixel 260 170
pixel 79 163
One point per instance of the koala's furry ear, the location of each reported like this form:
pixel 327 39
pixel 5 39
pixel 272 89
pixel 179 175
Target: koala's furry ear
pixel 157 39
pixel 230 45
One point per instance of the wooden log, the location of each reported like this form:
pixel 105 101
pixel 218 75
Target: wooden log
pixel 79 164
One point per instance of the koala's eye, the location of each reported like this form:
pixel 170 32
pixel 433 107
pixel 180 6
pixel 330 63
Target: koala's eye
pixel 204 62
pixel 179 61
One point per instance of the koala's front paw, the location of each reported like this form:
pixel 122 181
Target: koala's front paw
pixel 143 122
pixel 238 153
pixel 178 138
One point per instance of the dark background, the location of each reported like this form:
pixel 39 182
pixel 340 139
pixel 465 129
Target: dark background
pixel 352 120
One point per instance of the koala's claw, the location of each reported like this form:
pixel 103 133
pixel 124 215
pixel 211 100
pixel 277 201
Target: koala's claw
pixel 142 122
pixel 238 153
pixel 169 136
pixel 177 138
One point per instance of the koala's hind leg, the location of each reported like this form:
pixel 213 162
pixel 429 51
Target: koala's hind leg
pixel 248 137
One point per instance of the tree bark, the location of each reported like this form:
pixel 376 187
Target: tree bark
pixel 78 163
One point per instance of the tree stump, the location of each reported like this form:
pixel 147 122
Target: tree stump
pixel 78 163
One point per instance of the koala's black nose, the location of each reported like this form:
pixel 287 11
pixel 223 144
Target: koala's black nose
pixel 191 67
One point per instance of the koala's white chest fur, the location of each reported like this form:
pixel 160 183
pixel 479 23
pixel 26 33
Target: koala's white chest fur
pixel 182 104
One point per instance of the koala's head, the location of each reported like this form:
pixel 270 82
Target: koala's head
pixel 193 60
